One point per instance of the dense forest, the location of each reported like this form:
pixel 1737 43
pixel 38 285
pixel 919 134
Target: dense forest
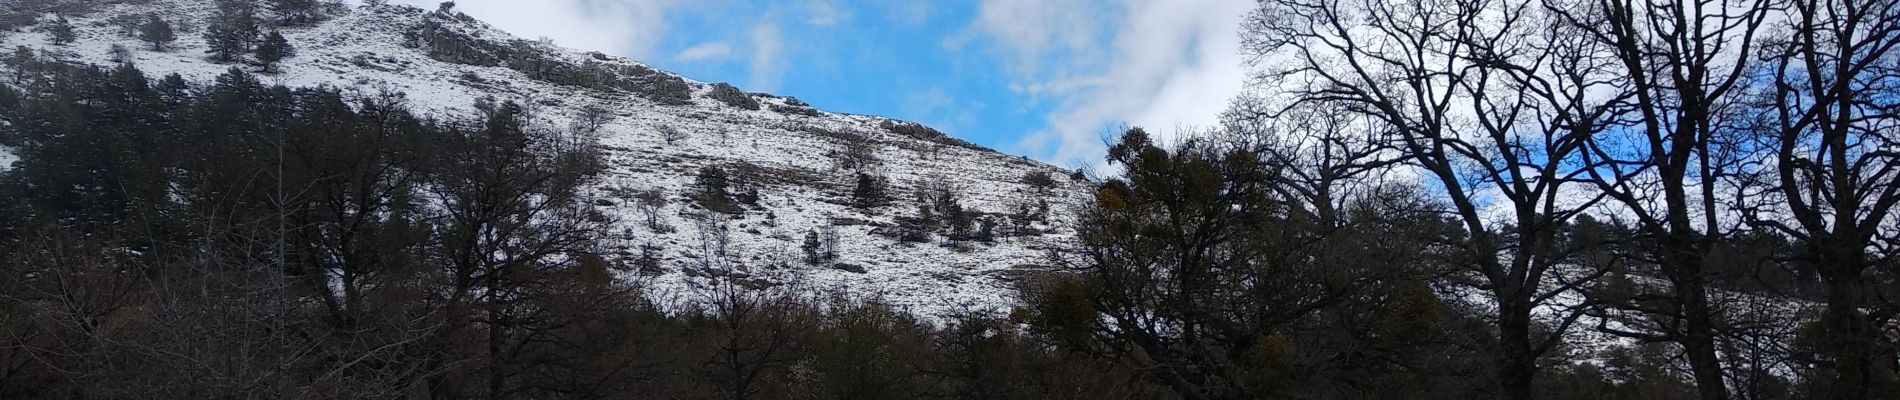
pixel 1423 200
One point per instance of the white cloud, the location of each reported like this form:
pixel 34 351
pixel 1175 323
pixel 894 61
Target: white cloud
pixel 1170 63
pixel 907 12
pixel 823 13
pixel 767 64
pixel 706 52
pixel 625 27
pixel 1031 31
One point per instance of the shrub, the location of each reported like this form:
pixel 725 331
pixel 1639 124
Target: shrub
pixel 120 54
pixel 1041 181
pixel 649 261
pixel 274 48
pixel 821 246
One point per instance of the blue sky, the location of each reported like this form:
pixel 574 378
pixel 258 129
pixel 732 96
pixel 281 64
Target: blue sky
pixel 1041 78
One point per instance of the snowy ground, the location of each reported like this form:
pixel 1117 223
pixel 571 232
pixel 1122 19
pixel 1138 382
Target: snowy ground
pixel 7 158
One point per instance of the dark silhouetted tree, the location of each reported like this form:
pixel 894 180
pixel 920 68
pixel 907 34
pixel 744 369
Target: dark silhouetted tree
pixel 870 191
pixel 61 30
pixel 157 32
pixel 712 188
pixel 232 30
pixel 273 49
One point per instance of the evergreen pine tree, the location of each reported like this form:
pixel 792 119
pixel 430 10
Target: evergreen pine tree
pixel 232 30
pixel 61 30
pixel 1040 181
pixel 21 61
pixel 295 12
pixel 814 249
pixel 986 230
pixel 715 190
pixel 157 32
pixel 120 54
pixel 869 192
pixel 274 48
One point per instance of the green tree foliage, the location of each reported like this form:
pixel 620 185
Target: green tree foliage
pixel 61 30
pixel 296 12
pixel 869 191
pixel 98 142
pixel 273 49
pixel 232 30
pixel 712 189
pixel 157 32
pixel 1040 181
pixel 1190 266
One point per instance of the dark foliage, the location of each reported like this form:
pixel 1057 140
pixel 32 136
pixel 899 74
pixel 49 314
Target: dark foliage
pixel 712 191
pixel 232 30
pixel 61 30
pixel 272 50
pixel 870 191
pixel 157 32
pixel 296 12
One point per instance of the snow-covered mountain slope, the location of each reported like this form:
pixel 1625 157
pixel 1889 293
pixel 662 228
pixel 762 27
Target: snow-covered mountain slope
pixel 663 129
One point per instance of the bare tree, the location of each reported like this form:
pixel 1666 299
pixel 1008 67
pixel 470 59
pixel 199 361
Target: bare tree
pixel 651 201
pixel 64 311
pixel 590 119
pixel 759 335
pixel 858 154
pixel 1662 153
pixel 714 232
pixel 352 247
pixel 1831 178
pixel 1320 159
pixel 511 210
pixel 671 134
pixel 1466 89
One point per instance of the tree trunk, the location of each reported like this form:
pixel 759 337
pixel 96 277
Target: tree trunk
pixel 1848 336
pixel 1516 360
pixel 495 337
pixel 1699 340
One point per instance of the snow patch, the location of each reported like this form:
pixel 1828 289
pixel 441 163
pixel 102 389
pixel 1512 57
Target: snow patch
pixel 7 157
